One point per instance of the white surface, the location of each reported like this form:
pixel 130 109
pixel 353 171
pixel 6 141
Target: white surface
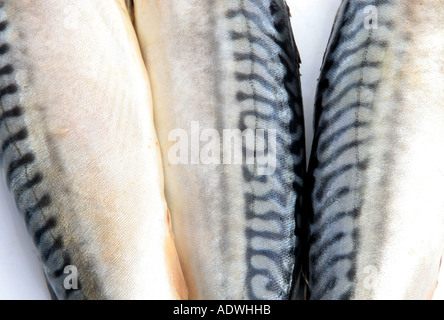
pixel 21 275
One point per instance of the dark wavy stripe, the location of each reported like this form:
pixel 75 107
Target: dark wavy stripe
pixel 12 113
pixel 270 215
pixel 3 25
pixel 55 247
pixel 238 56
pixel 43 202
pixel 349 88
pixel 6 70
pixel 332 199
pixel 328 179
pixel 22 134
pixel 4 48
pixel 358 67
pixel 37 179
pixel 23 161
pixel 338 116
pixel 49 224
pixel 343 148
pixel 10 89
pixel 336 217
pixel 336 135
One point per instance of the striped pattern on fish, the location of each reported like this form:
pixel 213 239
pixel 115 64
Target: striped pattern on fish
pixel 360 162
pixel 23 175
pixel 266 199
pixel 229 65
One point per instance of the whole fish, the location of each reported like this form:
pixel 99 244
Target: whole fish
pixel 78 150
pixel 219 67
pixel 376 171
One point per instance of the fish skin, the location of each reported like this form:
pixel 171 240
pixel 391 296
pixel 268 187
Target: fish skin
pixel 130 7
pixel 375 173
pixel 79 149
pixel 229 65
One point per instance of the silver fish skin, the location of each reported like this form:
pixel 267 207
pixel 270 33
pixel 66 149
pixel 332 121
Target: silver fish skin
pixel 78 150
pixel 228 65
pixel 376 169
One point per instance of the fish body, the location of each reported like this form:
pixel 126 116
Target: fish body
pixel 227 65
pixel 376 170
pixel 78 150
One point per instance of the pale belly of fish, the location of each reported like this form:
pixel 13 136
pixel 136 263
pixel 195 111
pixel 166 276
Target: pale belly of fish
pixel 78 149
pixel 377 165
pixel 228 65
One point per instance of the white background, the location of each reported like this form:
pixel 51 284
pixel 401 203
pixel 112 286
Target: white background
pixel 20 273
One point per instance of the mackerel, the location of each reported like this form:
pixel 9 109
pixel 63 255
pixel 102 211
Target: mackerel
pixel 228 65
pixel 376 170
pixel 78 150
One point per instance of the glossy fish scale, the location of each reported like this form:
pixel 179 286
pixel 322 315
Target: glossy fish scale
pixel 229 65
pixel 75 128
pixel 376 155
